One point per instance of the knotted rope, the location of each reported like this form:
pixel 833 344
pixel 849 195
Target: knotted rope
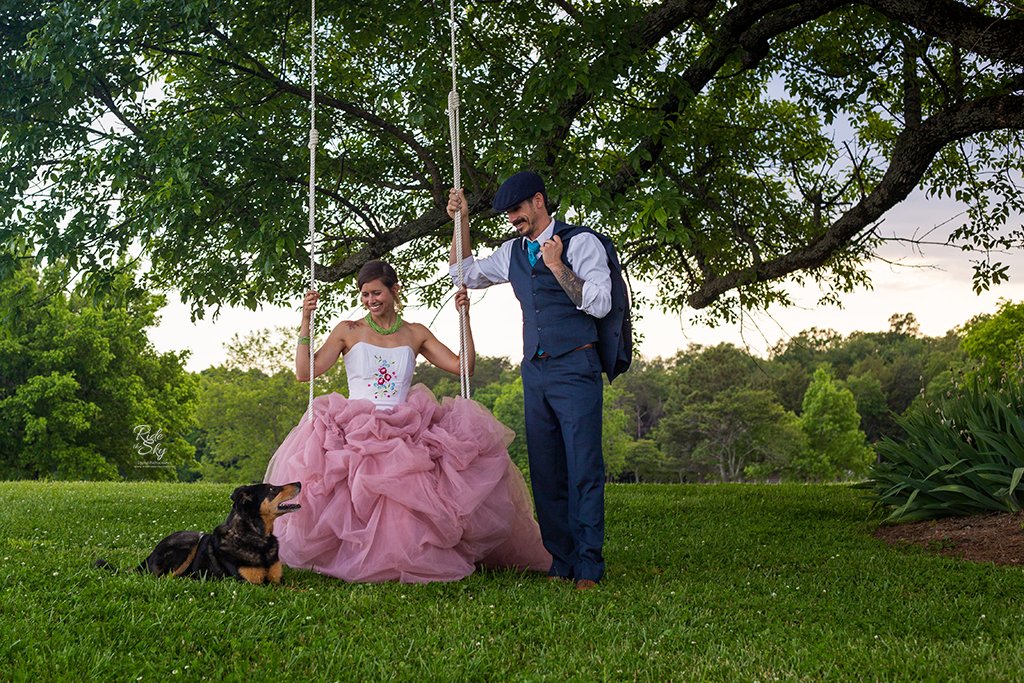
pixel 314 138
pixel 453 122
pixel 453 126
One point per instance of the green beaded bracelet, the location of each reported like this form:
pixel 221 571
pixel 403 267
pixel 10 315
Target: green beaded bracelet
pixel 303 340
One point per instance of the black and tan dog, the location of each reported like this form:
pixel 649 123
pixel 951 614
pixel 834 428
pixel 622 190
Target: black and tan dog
pixel 244 546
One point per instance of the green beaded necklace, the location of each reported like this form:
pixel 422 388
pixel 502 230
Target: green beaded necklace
pixel 380 330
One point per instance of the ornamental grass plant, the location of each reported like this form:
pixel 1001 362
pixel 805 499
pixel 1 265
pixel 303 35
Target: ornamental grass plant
pixel 961 456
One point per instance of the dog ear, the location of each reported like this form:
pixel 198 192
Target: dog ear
pixel 241 495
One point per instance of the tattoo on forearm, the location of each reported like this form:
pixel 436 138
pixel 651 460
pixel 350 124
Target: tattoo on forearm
pixel 572 284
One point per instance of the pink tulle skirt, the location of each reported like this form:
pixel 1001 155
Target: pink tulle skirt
pixel 421 492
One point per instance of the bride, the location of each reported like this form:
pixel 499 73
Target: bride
pixel 395 485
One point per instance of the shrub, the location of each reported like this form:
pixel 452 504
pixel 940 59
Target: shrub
pixel 962 456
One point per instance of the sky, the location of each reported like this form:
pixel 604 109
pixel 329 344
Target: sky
pixel 934 284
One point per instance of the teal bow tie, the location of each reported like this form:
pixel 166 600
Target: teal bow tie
pixel 534 249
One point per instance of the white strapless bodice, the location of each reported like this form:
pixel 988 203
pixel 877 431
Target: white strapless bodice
pixel 380 374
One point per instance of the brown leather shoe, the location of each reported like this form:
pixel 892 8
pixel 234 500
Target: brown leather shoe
pixel 585 584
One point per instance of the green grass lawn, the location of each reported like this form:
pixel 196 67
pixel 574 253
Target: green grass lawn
pixel 704 583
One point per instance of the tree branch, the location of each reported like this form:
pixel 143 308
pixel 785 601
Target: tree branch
pixel 912 155
pixel 959 24
pixel 264 73
pixel 380 245
pixel 655 26
pixel 745 28
pixel 102 91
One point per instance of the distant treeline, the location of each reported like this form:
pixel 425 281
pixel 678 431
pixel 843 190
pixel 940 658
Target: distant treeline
pixel 810 411
pixel 83 395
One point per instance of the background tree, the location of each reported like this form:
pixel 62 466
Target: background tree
pixel 720 440
pixel 870 401
pixel 726 146
pixel 487 370
pixel 245 417
pixel 717 422
pixel 509 409
pixel 268 350
pixel 701 373
pixel 83 393
pixel 787 379
pixel 995 342
pixel 645 463
pixel 249 405
pixel 615 435
pixel 836 447
pixel 886 371
pixel 645 388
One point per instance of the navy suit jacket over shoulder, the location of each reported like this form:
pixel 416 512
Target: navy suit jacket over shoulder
pixel 615 330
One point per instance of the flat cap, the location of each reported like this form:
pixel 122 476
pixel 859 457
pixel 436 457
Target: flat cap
pixel 517 189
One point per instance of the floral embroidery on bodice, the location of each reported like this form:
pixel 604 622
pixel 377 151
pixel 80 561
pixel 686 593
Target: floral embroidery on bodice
pixel 380 374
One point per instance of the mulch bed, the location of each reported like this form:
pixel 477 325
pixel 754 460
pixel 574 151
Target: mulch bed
pixel 997 538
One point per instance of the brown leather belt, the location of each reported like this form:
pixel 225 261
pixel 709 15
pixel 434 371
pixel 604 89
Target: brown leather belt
pixel 585 346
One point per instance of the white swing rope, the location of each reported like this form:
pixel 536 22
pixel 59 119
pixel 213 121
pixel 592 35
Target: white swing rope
pixel 453 122
pixel 453 125
pixel 314 138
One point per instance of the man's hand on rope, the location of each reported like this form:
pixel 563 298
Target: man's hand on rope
pixel 456 200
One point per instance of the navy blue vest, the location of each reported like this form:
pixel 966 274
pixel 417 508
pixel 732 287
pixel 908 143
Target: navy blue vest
pixel 551 320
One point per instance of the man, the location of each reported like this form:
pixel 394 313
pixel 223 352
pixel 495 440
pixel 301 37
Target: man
pixel 562 278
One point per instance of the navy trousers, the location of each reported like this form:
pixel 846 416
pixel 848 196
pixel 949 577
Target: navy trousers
pixel 563 398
